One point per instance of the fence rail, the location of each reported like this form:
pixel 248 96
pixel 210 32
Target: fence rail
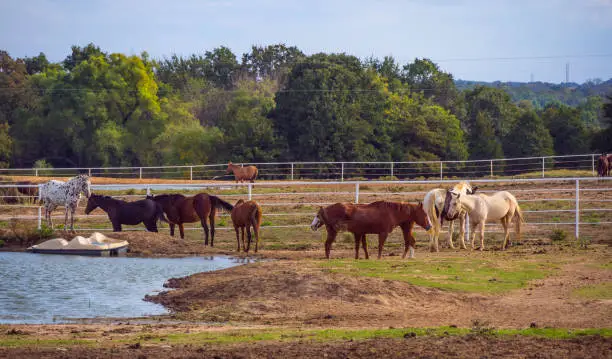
pixel 583 201
pixel 501 167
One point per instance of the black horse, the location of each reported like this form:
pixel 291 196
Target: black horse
pixel 122 212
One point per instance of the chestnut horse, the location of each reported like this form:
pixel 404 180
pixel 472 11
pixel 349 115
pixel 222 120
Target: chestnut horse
pixel 247 215
pixel 603 165
pixel 181 209
pixel 379 217
pixel 241 174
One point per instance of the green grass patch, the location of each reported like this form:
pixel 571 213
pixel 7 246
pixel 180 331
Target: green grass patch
pixel 596 291
pixel 461 274
pixel 24 341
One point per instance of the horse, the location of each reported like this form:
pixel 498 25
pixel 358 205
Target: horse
pixel 181 209
pixel 121 212
pixel 434 204
pixel 241 174
pixel 57 193
pixel 603 165
pixel 609 157
pixel 481 208
pixel 379 217
pixel 29 189
pixel 247 214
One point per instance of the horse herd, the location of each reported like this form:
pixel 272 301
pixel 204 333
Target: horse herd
pixel 381 217
pixel 604 165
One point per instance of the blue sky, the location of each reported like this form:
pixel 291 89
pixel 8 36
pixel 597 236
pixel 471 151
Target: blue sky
pixel 472 39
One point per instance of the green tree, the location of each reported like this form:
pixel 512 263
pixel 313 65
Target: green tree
pixel 271 62
pixel 529 137
pixel 484 144
pixel 603 139
pixel 80 54
pixel 569 132
pixel 6 145
pixel 37 64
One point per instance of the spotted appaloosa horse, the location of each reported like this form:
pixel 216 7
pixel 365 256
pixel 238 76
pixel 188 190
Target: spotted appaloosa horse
pixel 57 193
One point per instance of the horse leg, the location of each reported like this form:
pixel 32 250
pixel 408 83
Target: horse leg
pixel 256 232
pixel 72 211
pixel 243 241
pixel 248 229
pixel 357 242
pixel 211 219
pixel 172 229
pixel 482 227
pixel 182 230
pixel 205 226
pixel 505 221
pixel 462 231
pixel 409 240
pixel 237 238
pixel 451 229
pixel 473 228
pixel 331 236
pixel 116 226
pixel 382 237
pixel 364 244
pixel 66 209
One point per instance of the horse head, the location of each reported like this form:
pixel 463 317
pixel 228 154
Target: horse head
pixel 240 202
pixel 230 168
pixel 319 219
pixel 421 217
pixel 83 184
pixel 452 204
pixel 92 203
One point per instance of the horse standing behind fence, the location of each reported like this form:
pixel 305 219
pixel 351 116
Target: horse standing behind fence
pixel 603 165
pixel 181 209
pixel 241 174
pixel 121 212
pixel 246 215
pixel 57 193
pixel 481 208
pixel 434 205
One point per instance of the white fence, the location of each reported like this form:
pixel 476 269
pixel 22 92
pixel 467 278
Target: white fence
pixel 549 203
pixel 506 167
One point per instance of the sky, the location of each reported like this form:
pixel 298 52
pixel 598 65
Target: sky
pixel 484 40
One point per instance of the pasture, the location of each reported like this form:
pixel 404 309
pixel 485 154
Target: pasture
pixel 548 293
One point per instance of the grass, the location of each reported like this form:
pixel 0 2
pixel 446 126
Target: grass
pixel 460 274
pixel 596 291
pixel 288 335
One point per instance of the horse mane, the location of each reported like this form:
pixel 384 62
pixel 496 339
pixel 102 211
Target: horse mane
pixel 170 196
pixel 396 206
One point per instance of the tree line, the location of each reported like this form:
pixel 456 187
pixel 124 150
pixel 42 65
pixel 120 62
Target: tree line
pixel 273 104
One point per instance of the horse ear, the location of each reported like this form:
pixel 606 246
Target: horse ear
pixel 420 204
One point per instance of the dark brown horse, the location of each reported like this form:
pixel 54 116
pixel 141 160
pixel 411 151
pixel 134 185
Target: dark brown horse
pixel 181 209
pixel 241 174
pixel 379 217
pixel 29 189
pixel 246 215
pixel 603 165
pixel 122 212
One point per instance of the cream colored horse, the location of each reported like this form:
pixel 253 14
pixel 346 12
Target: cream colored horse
pixel 434 205
pixel 501 206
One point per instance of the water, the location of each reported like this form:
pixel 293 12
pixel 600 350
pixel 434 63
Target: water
pixel 43 288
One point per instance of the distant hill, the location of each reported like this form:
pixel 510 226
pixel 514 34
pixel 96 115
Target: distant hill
pixel 543 93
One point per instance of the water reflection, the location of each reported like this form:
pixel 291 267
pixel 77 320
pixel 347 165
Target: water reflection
pixel 39 288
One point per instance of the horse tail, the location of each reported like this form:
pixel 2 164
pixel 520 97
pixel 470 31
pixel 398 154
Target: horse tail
pixel 256 216
pixel 159 213
pixel 218 203
pixel 518 216
pixel 430 205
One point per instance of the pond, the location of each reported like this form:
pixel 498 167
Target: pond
pixel 43 288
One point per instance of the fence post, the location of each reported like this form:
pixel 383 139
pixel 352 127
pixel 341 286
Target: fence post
pixel 89 172
pixel 357 192
pixel 39 217
pixel 440 169
pixel 542 167
pixel 250 190
pixel 342 172
pixel 593 164
pixel 577 209
pixel 391 169
pixel 36 172
pixel 140 173
pixel 191 173
pixel 292 171
pixel 491 168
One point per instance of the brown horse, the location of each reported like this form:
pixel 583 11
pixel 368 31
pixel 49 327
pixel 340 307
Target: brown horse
pixel 247 215
pixel 180 209
pixel 603 165
pixel 241 174
pixel 379 217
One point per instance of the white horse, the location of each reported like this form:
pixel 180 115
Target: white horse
pixel 434 206
pixel 501 206
pixel 57 193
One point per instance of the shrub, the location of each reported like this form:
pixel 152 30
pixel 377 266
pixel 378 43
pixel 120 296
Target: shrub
pixel 558 235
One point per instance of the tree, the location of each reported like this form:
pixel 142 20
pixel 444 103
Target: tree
pixel 570 135
pixel 220 66
pixel 80 54
pixel 13 77
pixel 426 77
pixel 271 62
pixel 6 145
pixel 37 64
pixel 603 140
pixel 529 137
pixel 484 144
